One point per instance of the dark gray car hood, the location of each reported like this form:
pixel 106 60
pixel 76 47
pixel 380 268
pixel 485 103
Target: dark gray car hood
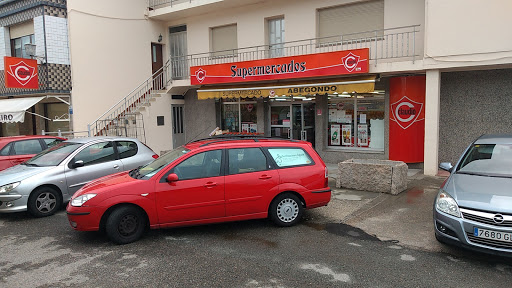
pixel 481 193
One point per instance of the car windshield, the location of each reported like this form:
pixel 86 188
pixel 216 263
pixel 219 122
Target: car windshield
pixel 54 155
pixel 493 160
pixel 146 172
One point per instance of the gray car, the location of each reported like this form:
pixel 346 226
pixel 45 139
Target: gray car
pixel 473 208
pixel 42 184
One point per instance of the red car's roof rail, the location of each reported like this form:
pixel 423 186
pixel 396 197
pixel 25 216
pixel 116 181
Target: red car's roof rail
pixel 238 136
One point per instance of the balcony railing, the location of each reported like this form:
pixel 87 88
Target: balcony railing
pixel 155 4
pixel 393 44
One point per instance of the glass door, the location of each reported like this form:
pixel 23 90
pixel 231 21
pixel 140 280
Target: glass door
pixel 276 37
pixel 280 121
pixel 304 122
pixel 178 47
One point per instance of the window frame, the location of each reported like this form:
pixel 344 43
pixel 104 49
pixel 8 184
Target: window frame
pixel 32 40
pixel 163 179
pixel 224 53
pixel 119 153
pixel 116 157
pixel 13 149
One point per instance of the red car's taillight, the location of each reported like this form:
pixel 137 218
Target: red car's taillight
pixel 155 156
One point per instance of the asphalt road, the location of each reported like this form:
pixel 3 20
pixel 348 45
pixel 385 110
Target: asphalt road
pixel 316 253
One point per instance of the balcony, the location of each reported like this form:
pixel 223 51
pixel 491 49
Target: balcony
pixel 167 10
pixel 387 45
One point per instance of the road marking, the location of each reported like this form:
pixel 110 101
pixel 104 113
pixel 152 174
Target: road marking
pixel 355 244
pixel 406 257
pixel 342 277
pixel 395 247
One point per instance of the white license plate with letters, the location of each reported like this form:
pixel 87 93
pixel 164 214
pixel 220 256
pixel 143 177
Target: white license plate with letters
pixel 493 235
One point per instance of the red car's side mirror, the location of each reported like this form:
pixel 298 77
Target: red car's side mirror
pixel 172 178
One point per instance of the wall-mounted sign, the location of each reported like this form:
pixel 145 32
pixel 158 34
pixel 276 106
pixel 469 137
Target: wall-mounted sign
pixel 310 65
pixel 407 115
pixel 20 73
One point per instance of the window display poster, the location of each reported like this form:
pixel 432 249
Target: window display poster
pixel 346 132
pixel 333 114
pixel 362 118
pixel 245 127
pixel 362 138
pixel 253 128
pixel 335 134
pixel 340 116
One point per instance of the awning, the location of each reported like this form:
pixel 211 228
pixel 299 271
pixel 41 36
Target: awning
pixel 13 110
pixel 304 88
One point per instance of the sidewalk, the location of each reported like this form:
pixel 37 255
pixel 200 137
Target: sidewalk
pixel 406 217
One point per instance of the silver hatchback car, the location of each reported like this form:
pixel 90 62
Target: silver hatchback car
pixel 44 183
pixel 473 208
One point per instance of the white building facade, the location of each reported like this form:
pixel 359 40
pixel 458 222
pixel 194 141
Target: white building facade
pixel 431 77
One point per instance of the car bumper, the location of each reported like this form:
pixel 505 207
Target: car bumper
pixel 84 218
pixel 317 198
pixel 459 232
pixel 10 203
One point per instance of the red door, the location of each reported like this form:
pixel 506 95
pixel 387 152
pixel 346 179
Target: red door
pixel 249 183
pixel 197 195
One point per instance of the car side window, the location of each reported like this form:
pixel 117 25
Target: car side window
pixel 97 153
pixel 126 149
pixel 289 157
pixel 51 141
pixel 202 165
pixel 244 160
pixel 27 147
pixel 5 151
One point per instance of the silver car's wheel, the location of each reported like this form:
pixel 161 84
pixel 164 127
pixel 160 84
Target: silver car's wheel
pixel 286 210
pixel 43 202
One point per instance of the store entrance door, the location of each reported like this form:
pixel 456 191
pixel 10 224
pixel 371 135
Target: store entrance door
pixel 295 120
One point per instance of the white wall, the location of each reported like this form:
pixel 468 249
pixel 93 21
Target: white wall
pixel 462 32
pixel 110 48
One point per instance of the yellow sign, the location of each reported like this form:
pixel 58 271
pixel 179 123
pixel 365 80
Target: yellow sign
pixel 311 89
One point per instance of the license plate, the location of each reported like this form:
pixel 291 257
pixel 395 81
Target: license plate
pixel 493 235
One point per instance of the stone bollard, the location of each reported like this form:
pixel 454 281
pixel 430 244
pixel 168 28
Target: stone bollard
pixel 373 175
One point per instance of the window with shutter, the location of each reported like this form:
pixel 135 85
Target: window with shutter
pixel 224 40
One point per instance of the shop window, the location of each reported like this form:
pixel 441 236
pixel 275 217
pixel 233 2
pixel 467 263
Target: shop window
pixel 58 112
pixel 223 41
pixel 239 116
pixel 356 122
pixel 349 19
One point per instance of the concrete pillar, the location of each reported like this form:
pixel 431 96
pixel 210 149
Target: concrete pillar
pixel 432 109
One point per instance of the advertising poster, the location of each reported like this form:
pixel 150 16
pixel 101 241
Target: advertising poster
pixel 362 138
pixel 335 134
pixel 245 127
pixel 346 135
pixel 253 128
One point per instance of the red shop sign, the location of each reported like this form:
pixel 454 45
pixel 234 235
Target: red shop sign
pixel 407 119
pixel 311 65
pixel 20 73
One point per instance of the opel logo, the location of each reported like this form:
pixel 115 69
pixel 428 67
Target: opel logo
pixel 498 219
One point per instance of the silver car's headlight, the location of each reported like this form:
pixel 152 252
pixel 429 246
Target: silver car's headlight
pixel 8 187
pixel 445 203
pixel 80 200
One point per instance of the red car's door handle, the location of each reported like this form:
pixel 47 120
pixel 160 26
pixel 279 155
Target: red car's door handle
pixel 210 184
pixel 264 176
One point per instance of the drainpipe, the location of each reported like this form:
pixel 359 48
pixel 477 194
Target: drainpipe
pixel 45 48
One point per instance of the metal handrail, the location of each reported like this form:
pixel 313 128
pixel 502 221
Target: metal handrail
pixel 397 42
pixel 154 4
pixel 138 96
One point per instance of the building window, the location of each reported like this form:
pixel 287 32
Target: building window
pixel 349 19
pixel 223 40
pixel 356 121
pixel 239 116
pixel 276 37
pixel 18 45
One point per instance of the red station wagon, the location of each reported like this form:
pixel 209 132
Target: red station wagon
pixel 18 149
pixel 202 182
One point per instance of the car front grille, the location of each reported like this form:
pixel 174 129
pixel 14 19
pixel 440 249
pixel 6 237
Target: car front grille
pixel 488 242
pixel 486 217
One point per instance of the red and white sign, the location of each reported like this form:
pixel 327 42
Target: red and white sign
pixel 20 73
pixel 407 119
pixel 311 65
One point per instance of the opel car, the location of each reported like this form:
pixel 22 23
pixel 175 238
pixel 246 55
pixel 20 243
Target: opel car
pixel 473 208
pixel 42 184
pixel 206 181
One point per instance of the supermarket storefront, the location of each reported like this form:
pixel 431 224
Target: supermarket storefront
pixel 329 99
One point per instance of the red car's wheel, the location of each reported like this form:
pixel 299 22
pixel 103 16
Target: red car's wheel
pixel 125 224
